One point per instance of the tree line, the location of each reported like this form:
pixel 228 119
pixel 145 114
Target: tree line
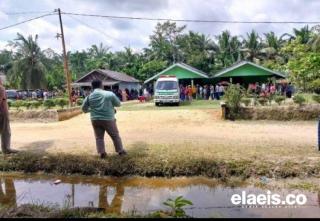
pixel 27 66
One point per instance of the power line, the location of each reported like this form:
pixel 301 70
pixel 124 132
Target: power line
pixel 27 12
pixel 25 21
pixel 192 20
pixel 100 31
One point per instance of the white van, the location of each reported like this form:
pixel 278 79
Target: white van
pixel 167 90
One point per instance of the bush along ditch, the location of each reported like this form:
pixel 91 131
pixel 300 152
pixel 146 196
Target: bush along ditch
pixel 44 104
pixel 233 97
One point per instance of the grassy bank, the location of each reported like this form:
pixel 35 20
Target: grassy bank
pixel 142 163
pixel 41 211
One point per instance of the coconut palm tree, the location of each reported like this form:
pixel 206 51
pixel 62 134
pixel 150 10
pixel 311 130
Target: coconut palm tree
pixel 304 34
pixel 252 45
pixel 314 42
pixel 99 51
pixel 27 69
pixel 228 48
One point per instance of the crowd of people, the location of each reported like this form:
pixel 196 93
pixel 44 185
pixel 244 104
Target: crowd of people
pixel 266 89
pixel 188 92
pixel 206 92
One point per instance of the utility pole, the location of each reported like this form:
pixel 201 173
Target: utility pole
pixel 65 58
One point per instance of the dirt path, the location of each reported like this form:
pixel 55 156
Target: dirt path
pixel 183 128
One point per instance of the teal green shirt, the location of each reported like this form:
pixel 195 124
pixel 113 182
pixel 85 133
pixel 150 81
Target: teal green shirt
pixel 100 104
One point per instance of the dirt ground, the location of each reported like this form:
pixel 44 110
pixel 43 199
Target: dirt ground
pixel 181 129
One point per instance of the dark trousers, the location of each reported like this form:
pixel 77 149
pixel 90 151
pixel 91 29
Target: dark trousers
pixel 5 132
pixel 109 126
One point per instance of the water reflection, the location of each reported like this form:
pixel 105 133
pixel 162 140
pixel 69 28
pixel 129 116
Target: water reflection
pixel 144 195
pixel 116 203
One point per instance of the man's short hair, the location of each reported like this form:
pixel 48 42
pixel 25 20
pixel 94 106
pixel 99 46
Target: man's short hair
pixel 96 83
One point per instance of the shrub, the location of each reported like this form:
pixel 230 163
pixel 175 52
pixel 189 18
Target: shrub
pixel 28 104
pixel 246 101
pixel 35 104
pixel 270 98
pixel 315 86
pixel 49 103
pixel 79 101
pixel 19 103
pixel 61 102
pixel 316 98
pixel 10 103
pixel 262 101
pixel 299 99
pixel 232 97
pixel 279 99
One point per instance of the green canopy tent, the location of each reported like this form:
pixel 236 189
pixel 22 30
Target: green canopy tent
pixel 247 72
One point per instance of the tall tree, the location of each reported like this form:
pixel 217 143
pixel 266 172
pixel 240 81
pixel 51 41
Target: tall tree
pixel 27 69
pixel 252 45
pixel 229 49
pixel 198 50
pixel 304 34
pixel 163 42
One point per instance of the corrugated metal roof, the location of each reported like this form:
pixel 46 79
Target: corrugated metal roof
pixel 118 76
pixel 104 83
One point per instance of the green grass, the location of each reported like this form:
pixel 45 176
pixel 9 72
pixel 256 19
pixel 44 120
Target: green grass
pixel 195 104
pixel 308 97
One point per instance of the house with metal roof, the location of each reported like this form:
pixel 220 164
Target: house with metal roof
pixel 246 72
pixel 110 80
pixel 185 73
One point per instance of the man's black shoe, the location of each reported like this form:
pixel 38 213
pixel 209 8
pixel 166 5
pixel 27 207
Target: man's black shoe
pixel 11 151
pixel 122 153
pixel 103 155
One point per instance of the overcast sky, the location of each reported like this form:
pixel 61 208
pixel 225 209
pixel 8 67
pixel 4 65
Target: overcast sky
pixel 135 33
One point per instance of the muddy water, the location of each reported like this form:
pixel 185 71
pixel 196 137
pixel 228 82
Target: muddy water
pixel 144 195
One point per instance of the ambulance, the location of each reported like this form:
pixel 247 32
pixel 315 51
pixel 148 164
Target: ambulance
pixel 167 90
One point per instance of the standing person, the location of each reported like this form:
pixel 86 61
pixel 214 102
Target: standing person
pixel 100 104
pixel 201 91
pixel 124 95
pixel 194 92
pixel 45 95
pixel 198 91
pixel 289 91
pixel 182 97
pixel 221 90
pixel 185 91
pixel 217 92
pixel 212 92
pixel 190 92
pixel 5 130
pixel 205 92
pixel 34 95
pixel 146 94
pixel 208 92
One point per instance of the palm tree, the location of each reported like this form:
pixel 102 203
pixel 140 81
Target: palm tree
pixel 99 51
pixel 304 34
pixel 314 42
pixel 99 56
pixel 28 70
pixel 228 48
pixel 252 46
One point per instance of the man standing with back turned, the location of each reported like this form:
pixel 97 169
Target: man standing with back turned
pixel 100 104
pixel 4 122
